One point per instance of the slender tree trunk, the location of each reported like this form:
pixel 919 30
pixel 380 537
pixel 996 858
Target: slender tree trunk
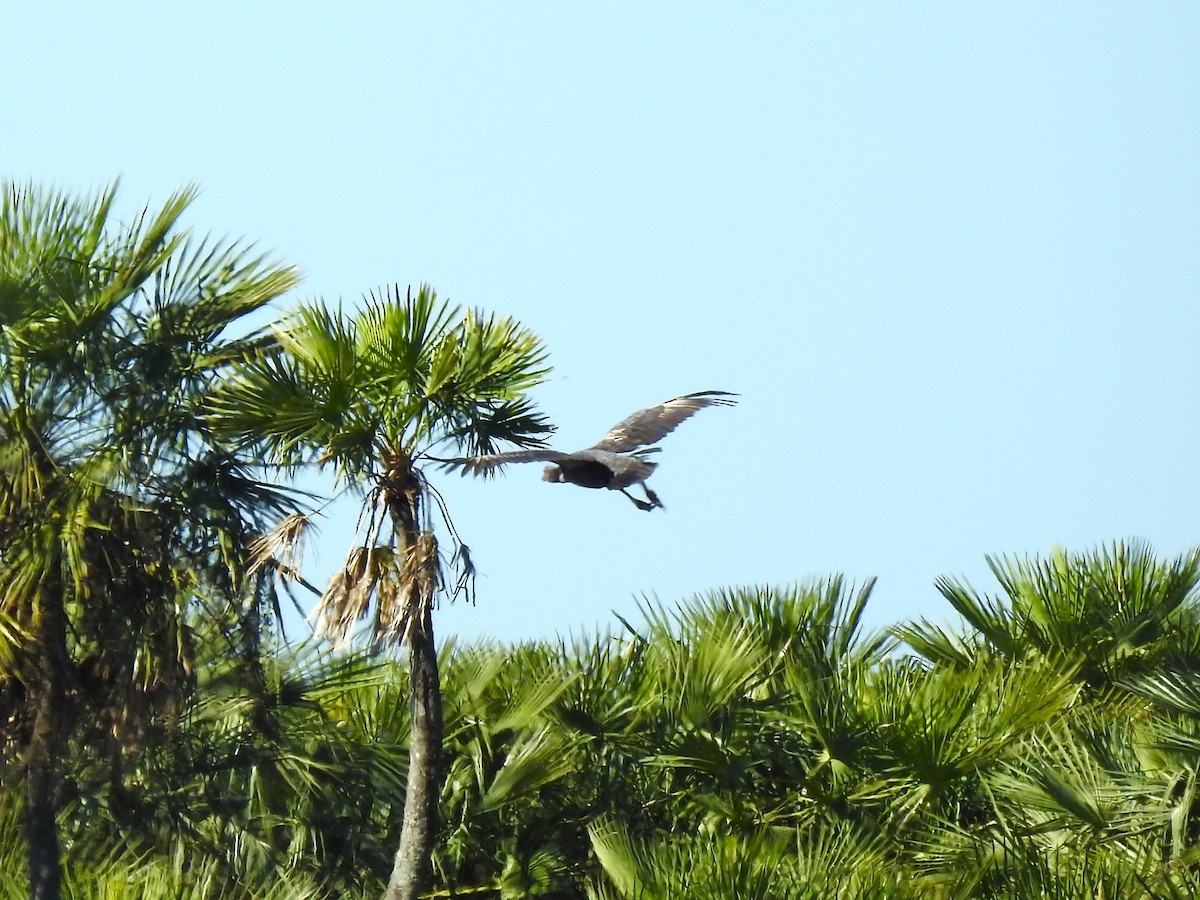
pixel 47 697
pixel 411 869
pixel 41 777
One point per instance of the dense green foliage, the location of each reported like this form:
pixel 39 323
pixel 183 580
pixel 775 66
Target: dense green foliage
pixel 748 743
pixel 751 743
pixel 120 512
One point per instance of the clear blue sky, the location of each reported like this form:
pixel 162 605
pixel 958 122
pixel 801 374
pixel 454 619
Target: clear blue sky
pixel 949 255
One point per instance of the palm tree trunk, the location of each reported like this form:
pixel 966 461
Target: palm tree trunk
pixel 41 775
pixel 411 868
pixel 47 695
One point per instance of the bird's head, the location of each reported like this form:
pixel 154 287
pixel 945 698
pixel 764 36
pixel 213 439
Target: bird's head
pixel 552 473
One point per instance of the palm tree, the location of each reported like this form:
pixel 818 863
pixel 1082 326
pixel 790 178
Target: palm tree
pixel 117 509
pixel 299 781
pixel 1077 804
pixel 370 395
pixel 1112 611
pixel 510 769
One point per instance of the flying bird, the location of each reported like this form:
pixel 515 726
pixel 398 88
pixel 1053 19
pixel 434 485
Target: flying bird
pixel 615 461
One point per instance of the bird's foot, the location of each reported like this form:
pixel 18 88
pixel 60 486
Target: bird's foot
pixel 640 504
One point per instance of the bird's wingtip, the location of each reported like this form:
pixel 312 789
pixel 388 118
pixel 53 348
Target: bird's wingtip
pixel 716 398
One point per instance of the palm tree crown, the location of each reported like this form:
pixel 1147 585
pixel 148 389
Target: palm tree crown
pixel 118 508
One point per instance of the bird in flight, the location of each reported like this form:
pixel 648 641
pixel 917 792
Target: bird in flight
pixel 615 461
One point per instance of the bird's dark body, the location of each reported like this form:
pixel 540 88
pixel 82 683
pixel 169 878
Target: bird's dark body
pixel 602 469
pixel 611 462
pixel 587 473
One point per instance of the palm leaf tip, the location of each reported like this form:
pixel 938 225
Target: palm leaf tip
pixel 467 465
pixel 516 422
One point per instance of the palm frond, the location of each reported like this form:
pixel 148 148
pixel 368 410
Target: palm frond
pixel 534 761
pixel 938 644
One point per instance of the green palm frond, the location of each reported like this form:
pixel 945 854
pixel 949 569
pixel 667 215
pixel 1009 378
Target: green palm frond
pixel 761 865
pixel 939 645
pixel 490 426
pixel 533 762
pixel 938 732
pixel 400 375
pixel 698 673
pixel 1177 691
pixel 1000 626
pixel 818 624
pixel 1110 608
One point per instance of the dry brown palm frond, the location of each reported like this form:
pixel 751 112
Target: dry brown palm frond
pixel 348 596
pixel 410 597
pixel 282 547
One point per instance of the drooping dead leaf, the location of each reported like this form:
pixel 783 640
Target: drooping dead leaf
pixel 282 547
pixel 347 598
pixel 412 595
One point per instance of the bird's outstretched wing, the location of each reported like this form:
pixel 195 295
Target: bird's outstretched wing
pixel 488 464
pixel 653 424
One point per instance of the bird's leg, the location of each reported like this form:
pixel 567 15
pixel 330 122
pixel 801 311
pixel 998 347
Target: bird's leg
pixel 653 497
pixel 640 504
